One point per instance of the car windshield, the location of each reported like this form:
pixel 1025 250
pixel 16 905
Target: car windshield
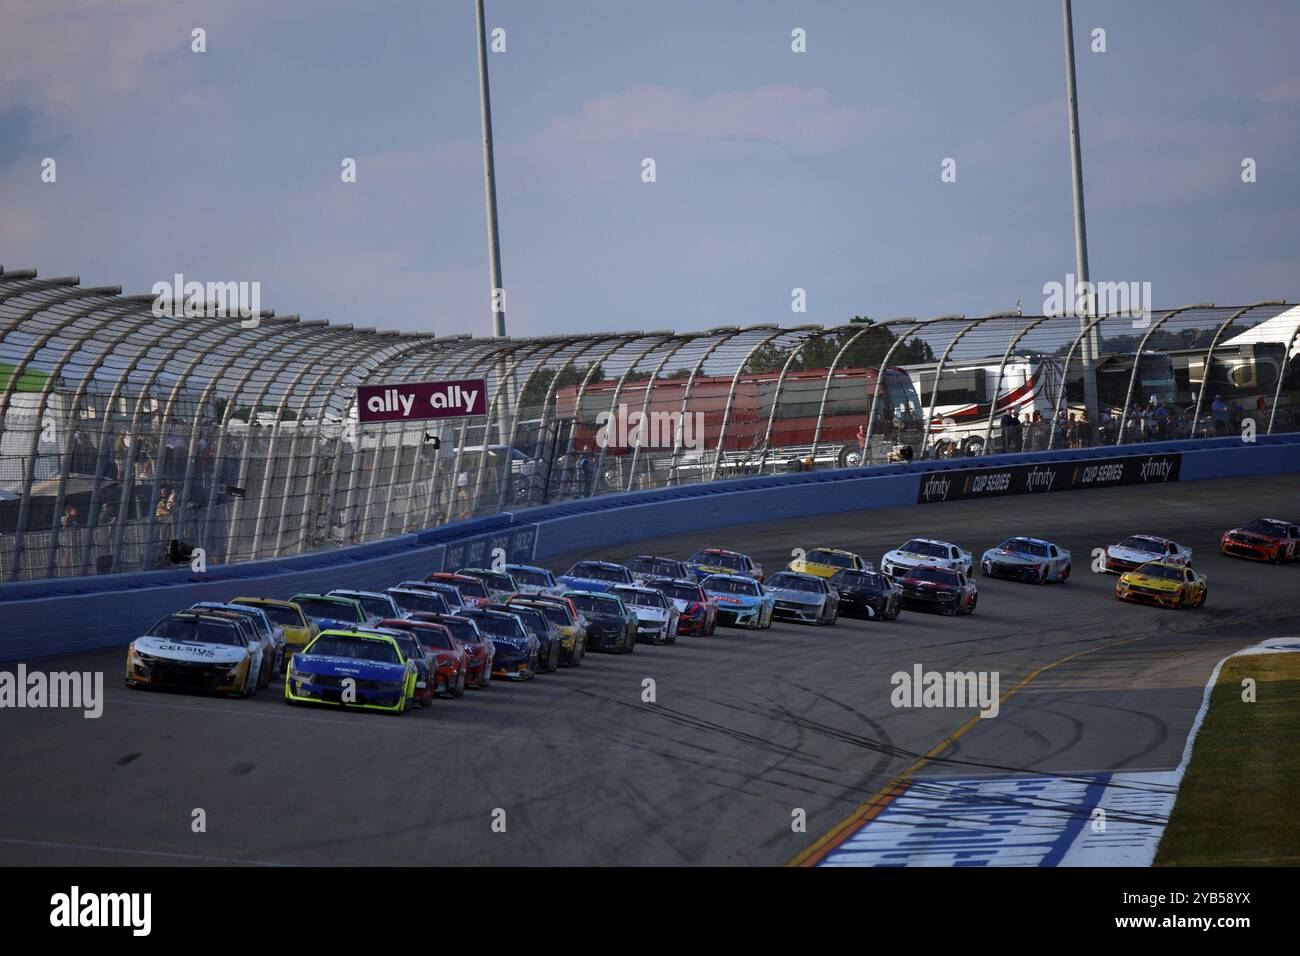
pixel 534 620
pixel 408 643
pixel 596 604
pixel 375 606
pixel 1024 546
pixel 730 586
pixel 504 625
pixel 1149 545
pixel 1266 526
pixel 463 629
pixel 599 572
pixel 715 559
pixel 822 556
pixel 278 613
pixel 535 579
pixel 1161 571
pixel 448 591
pixel 338 610
pixel 420 601
pixel 434 637
pixel 497 582
pixel 638 598
pixel 681 592
pixel 357 648
pixel 654 567
pixel 555 613
pixel 202 630
pixel 252 617
pixel 935 576
pixel 928 548
pixel 858 579
pixel 792 582
pixel 471 587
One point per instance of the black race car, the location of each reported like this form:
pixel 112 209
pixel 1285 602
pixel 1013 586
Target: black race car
pixel 611 624
pixel 867 594
pixel 548 638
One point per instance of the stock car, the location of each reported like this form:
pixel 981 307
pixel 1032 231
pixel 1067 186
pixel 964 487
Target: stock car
pixel 709 561
pixel 937 587
pixel 611 625
pixel 868 594
pixel 564 617
pixel 530 579
pixel 195 650
pixel 448 662
pixel 536 623
pixel 413 651
pixel 697 613
pixel 594 576
pixel 742 601
pixel 1264 539
pixel 647 566
pixel 479 649
pixel 297 628
pixel 381 676
pixel 803 597
pixel 827 562
pixel 1164 584
pixel 472 591
pixel 499 584
pixel 376 604
pixel 332 612
pixel 925 552
pixel 1026 559
pixel 412 600
pixel 448 592
pixel 271 638
pixel 656 616
pixel 515 651
pixel 1139 549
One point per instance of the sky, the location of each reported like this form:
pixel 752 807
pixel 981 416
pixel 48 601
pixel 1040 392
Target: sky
pixel 774 170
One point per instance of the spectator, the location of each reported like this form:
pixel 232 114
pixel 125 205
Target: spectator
pixel 1083 431
pixel 1220 412
pixel 1007 424
pixel 1161 416
pixel 1027 442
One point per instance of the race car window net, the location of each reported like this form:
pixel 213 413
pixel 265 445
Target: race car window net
pixel 727 586
pixel 597 572
pixel 792 582
pixel 202 631
pixel 356 648
pixel 925 547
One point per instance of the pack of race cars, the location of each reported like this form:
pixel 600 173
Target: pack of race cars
pixel 418 640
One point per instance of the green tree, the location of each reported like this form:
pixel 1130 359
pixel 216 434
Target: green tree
pixel 868 350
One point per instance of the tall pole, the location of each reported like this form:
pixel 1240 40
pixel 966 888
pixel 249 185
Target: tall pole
pixel 490 181
pixel 1090 340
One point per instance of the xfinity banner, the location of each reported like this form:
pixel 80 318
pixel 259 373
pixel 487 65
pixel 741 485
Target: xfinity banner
pixel 1049 476
pixel 421 401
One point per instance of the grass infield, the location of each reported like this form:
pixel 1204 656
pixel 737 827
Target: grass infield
pixel 1237 803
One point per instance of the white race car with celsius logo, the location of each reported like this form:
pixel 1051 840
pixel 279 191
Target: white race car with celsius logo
pixel 195 650
pixel 926 551
pixel 1138 549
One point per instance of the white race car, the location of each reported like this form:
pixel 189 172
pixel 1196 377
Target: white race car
pixel 1137 549
pixel 656 615
pixel 196 650
pixel 925 551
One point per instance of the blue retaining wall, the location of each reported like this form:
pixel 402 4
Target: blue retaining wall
pixel 59 615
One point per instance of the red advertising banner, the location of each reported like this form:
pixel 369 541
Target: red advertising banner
pixel 421 401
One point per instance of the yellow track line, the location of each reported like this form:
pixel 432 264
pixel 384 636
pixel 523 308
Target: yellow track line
pixel 886 794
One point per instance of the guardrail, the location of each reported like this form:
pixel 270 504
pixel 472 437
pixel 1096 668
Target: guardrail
pixel 60 615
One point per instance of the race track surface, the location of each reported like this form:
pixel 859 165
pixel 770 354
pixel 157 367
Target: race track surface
pixel 748 726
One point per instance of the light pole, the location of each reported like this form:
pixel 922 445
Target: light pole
pixel 1090 342
pixel 490 181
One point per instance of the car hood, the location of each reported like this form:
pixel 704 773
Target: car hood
pixel 586 584
pixel 650 613
pixel 347 667
pixel 798 597
pixel 733 600
pixel 1155 584
pixel 189 651
pixel 1254 537
pixel 1012 557
pixel 911 557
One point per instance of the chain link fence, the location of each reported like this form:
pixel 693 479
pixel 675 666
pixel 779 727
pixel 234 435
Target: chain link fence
pixel 123 432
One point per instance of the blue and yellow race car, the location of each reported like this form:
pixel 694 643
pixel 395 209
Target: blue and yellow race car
pixel 742 601
pixel 366 670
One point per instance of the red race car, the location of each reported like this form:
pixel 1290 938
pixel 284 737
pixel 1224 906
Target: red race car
pixel 448 663
pixel 479 651
pixel 697 613
pixel 472 591
pixel 1264 539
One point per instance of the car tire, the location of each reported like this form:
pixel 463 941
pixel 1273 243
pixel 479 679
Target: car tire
pixel 462 677
pixel 971 610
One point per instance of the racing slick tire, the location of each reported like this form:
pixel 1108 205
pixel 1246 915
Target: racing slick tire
pixel 952 610
pixel 1042 576
pixel 630 646
pixel 971 610
pixel 458 689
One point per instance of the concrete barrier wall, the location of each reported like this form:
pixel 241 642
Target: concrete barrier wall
pixel 61 615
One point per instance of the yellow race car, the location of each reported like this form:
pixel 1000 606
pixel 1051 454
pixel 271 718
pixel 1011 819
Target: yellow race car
pixel 1163 584
pixel 826 562
pixel 298 628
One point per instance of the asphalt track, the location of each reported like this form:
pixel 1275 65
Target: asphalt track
pixel 747 726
